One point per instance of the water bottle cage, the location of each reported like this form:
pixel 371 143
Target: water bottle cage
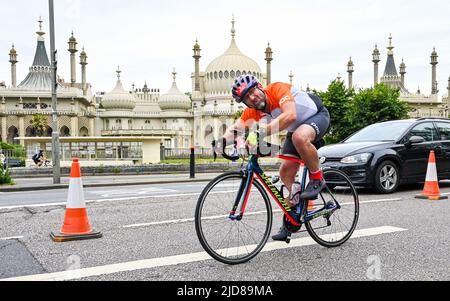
pixel 295 193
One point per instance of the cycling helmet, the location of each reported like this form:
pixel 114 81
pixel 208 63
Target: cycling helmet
pixel 242 85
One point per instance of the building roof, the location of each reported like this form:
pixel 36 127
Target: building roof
pixel 40 75
pixel 118 98
pixel 222 71
pixel 174 99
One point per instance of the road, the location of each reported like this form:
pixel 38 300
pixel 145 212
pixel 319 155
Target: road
pixel 149 234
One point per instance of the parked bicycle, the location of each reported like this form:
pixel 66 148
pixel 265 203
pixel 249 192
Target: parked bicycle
pixel 233 217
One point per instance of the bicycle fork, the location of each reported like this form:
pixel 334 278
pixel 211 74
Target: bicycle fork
pixel 244 190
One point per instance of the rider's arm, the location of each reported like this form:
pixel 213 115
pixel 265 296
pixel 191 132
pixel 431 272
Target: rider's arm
pixel 239 126
pixel 286 119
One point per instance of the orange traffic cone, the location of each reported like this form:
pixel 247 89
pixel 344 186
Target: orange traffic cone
pixel 76 224
pixel 431 190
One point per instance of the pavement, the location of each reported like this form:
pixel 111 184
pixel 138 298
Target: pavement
pixel 46 183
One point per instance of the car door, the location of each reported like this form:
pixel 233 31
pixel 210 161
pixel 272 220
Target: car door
pixel 415 156
pixel 443 149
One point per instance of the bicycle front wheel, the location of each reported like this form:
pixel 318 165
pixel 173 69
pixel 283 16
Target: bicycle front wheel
pixel 336 228
pixel 230 240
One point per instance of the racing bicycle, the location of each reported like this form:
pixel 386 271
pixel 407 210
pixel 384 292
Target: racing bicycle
pixel 233 217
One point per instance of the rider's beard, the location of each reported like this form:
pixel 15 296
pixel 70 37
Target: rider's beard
pixel 261 105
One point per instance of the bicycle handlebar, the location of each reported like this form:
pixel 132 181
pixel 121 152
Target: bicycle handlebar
pixel 234 158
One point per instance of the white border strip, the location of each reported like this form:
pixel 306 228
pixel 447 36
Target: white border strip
pixel 12 238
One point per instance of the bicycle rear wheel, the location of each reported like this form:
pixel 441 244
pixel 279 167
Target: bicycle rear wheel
pixel 335 229
pixel 232 241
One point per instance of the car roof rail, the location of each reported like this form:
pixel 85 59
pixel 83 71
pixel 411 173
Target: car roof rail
pixel 432 118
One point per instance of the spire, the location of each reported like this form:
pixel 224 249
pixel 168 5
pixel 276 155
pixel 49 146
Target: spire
pixel 390 69
pixel 40 33
pixel 390 47
pixel 174 73
pixel 196 50
pixel 13 55
pixel 118 73
pixel 402 68
pixel 291 76
pixel 350 66
pixel 233 30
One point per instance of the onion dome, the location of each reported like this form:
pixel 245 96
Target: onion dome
pixel 222 71
pixel 174 99
pixel 119 99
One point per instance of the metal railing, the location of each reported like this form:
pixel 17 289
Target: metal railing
pixel 185 153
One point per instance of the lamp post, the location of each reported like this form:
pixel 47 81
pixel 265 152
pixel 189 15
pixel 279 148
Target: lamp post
pixel 55 132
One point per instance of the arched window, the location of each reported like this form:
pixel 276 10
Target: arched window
pixel 84 132
pixel 65 132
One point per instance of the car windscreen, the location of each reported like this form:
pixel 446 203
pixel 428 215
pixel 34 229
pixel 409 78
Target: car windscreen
pixel 389 131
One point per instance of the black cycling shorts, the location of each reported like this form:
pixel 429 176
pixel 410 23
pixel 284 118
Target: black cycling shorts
pixel 320 123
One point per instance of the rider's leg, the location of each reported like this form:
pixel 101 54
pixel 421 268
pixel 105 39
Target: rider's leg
pixel 288 171
pixel 303 140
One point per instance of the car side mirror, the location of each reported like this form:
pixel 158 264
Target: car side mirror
pixel 415 140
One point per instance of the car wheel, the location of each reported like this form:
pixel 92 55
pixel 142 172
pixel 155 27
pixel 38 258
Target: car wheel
pixel 387 177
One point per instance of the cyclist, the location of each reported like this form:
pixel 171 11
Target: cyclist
pixel 284 107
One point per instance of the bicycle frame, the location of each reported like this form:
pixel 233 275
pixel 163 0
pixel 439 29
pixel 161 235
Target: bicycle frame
pixel 254 171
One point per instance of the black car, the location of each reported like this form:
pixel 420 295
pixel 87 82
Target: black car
pixel 384 155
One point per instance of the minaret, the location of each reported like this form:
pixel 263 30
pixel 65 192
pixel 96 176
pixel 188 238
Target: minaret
pixel 13 60
pixel 269 60
pixel 291 77
pixel 350 70
pixel 83 63
pixel 197 57
pixel 403 72
pixel 448 91
pixel 73 49
pixel 376 60
pixel 434 62
pixel 197 99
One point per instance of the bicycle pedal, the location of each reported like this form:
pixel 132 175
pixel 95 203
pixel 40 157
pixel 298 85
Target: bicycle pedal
pixel 288 238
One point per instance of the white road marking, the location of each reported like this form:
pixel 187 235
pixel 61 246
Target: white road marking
pixel 188 220
pixel 181 259
pixel 141 191
pixel 11 238
pixel 110 200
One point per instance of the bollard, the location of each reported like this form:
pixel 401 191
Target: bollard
pixel 192 167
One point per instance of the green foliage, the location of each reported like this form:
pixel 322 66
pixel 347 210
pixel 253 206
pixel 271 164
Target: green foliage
pixel 117 170
pixel 39 123
pixel 337 99
pixel 353 110
pixel 375 105
pixel 18 150
pixel 5 177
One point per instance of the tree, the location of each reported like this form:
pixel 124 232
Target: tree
pixel 39 123
pixel 375 105
pixel 337 100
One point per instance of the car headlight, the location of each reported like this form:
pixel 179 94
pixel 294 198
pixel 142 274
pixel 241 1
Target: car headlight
pixel 355 159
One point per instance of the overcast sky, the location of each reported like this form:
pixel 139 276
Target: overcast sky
pixel 314 39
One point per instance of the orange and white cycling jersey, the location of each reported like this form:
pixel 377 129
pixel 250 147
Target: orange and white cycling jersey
pixel 278 93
